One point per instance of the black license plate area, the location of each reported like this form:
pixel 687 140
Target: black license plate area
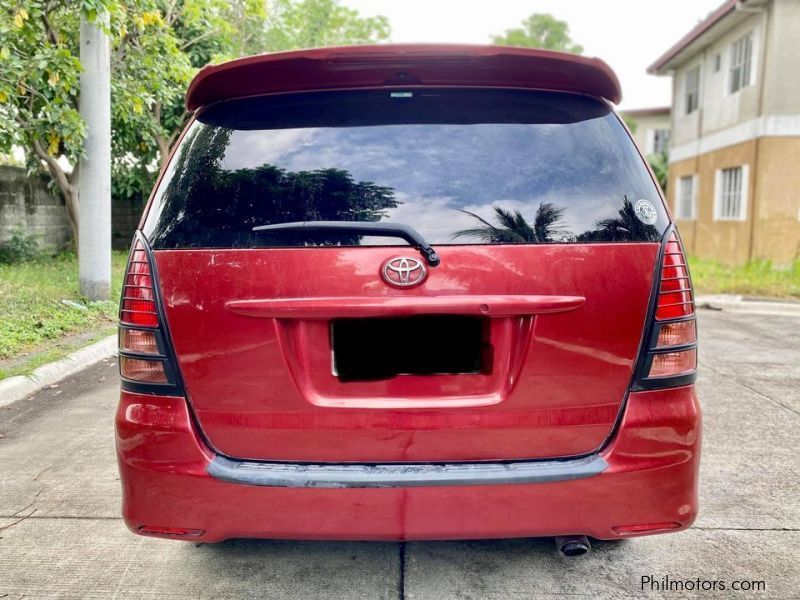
pixel 381 348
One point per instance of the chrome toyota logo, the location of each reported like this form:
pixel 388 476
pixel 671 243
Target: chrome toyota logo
pixel 403 271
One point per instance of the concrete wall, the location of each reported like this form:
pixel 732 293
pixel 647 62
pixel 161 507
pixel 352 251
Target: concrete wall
pixel 777 196
pixel 27 204
pixel 772 227
pixel 125 215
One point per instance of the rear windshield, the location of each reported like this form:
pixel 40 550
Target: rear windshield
pixel 460 166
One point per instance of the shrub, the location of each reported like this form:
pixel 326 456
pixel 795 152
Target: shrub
pixel 21 247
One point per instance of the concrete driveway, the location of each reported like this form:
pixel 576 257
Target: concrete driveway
pixel 61 535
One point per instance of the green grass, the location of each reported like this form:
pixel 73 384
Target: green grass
pixel 757 279
pixel 35 326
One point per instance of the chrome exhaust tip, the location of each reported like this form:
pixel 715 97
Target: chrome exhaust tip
pixel 573 545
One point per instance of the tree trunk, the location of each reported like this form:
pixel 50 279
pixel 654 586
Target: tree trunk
pixel 163 150
pixel 67 184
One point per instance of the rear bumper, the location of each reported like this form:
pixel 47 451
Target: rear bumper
pixel 644 481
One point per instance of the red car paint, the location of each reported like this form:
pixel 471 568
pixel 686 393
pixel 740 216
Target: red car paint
pixel 255 382
pixel 651 479
pixel 427 65
pixel 569 324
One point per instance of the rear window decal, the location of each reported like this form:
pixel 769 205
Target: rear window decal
pixel 645 211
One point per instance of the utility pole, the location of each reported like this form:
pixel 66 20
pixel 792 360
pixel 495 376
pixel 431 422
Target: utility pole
pixel 94 241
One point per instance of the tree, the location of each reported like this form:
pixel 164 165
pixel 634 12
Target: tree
pixel 39 81
pixel 293 24
pixel 540 31
pixel 148 91
pixel 259 195
pixel 156 46
pixel 514 229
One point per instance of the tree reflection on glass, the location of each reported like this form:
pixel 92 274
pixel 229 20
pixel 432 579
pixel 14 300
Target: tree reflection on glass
pixel 513 228
pixel 267 194
pixel 626 227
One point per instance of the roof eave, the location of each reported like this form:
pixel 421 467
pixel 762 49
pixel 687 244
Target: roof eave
pixel 676 53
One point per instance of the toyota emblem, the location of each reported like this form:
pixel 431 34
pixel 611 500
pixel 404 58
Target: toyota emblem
pixel 403 271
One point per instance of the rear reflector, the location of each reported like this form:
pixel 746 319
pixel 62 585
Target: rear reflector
pixel 171 531
pixel 673 363
pixel 675 297
pixel 645 527
pixel 138 341
pixel 137 369
pixel 676 334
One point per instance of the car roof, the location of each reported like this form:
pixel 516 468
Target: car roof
pixel 402 65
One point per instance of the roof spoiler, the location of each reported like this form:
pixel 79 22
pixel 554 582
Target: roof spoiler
pixel 376 66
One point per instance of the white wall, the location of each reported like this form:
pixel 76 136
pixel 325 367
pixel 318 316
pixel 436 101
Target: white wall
pixel 718 108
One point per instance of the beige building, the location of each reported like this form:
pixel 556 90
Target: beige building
pixel 652 131
pixel 734 175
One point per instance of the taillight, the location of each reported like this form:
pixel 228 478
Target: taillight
pixel 675 297
pixel 138 306
pixel 670 358
pixel 136 369
pixel 668 364
pixel 144 360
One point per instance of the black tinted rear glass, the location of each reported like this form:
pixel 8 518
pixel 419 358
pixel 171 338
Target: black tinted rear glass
pixel 460 166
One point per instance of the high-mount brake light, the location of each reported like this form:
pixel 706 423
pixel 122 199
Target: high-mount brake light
pixel 144 361
pixel 670 358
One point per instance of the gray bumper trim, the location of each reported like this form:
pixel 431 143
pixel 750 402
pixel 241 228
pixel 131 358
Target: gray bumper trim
pixel 402 475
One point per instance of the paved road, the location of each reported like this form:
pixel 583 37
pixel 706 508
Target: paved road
pixel 57 466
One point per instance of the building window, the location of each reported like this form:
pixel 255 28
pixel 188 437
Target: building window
pixel 741 56
pixel 731 194
pixel 692 89
pixel 660 141
pixel 717 62
pixel 687 198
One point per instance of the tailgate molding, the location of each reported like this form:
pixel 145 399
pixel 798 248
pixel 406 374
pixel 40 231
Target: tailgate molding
pixel 385 306
pixel 293 475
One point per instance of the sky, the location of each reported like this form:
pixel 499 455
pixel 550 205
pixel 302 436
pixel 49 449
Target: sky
pixel 628 34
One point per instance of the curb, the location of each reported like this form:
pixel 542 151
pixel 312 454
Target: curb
pixel 740 304
pixel 18 387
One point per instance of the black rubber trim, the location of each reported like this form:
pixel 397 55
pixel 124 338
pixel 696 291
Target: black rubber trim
pixel 292 475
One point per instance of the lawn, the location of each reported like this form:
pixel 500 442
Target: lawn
pixel 35 325
pixel 757 279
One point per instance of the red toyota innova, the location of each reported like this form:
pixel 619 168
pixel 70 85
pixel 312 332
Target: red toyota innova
pixel 402 293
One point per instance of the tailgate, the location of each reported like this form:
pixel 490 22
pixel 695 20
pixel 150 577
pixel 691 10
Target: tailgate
pixel 504 352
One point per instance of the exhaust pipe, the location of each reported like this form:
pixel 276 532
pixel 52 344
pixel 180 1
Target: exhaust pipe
pixel 573 545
